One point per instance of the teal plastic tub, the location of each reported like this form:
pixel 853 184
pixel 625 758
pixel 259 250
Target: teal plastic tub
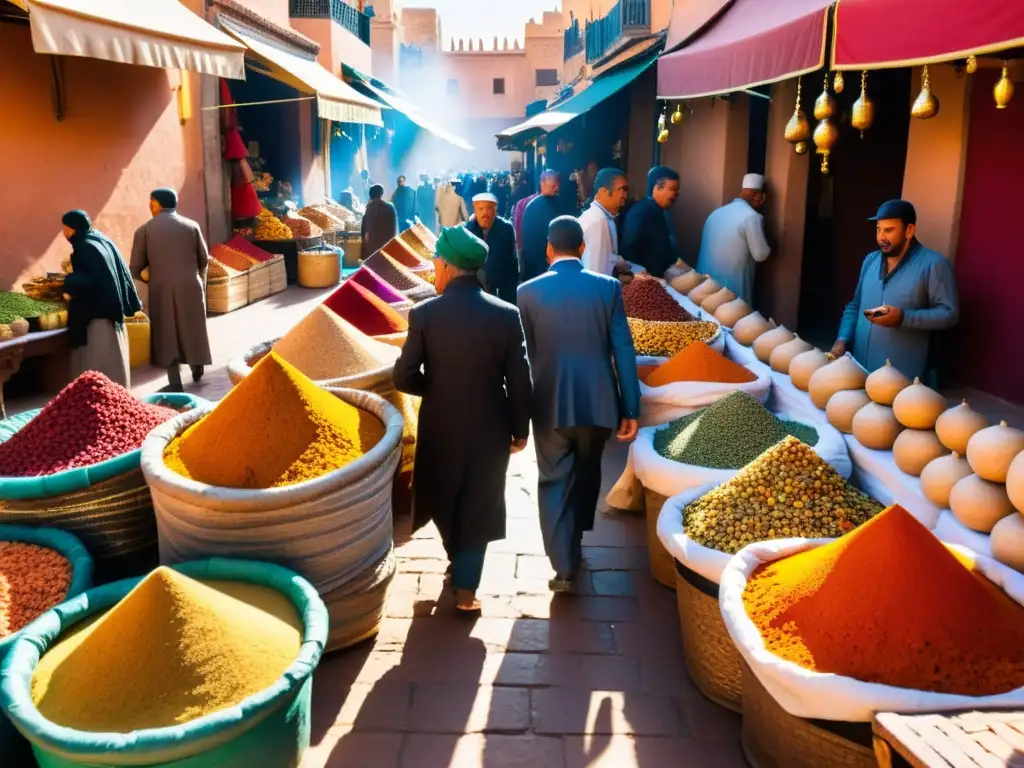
pixel 72 480
pixel 14 750
pixel 271 728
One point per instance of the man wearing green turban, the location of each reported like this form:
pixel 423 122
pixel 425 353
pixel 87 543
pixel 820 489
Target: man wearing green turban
pixel 466 357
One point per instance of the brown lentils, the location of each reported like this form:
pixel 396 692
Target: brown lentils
pixel 33 580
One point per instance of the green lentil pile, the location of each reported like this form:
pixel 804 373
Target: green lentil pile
pixel 14 305
pixel 729 434
pixel 787 491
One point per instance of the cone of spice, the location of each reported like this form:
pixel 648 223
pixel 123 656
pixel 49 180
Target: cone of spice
pixel 367 312
pixel 646 299
pixel 91 420
pixel 325 346
pixel 276 428
pixel 890 604
pixel 699 362
pixel 377 285
pixel 174 649
pixel 403 253
pixel 397 275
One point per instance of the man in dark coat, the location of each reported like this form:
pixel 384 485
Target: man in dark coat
pixel 380 222
pixel 586 387
pixel 539 214
pixel 404 200
pixel 501 271
pixel 466 357
pixel 647 237
pixel 426 203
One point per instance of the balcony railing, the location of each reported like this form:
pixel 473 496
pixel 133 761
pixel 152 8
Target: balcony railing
pixel 352 19
pixel 572 40
pixel 626 18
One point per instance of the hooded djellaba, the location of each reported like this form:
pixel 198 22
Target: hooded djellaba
pixel 101 294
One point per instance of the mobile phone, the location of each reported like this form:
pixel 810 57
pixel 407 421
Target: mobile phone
pixel 875 313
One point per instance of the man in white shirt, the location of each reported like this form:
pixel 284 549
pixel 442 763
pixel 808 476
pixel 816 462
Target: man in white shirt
pixel 733 240
pixel 611 187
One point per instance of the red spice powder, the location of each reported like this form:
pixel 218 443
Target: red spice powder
pixel 242 245
pixel 91 420
pixel 367 312
pixel 377 285
pixel 889 603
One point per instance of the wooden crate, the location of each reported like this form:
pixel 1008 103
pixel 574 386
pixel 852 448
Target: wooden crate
pixel 259 281
pixel 992 739
pixel 226 294
pixel 278 274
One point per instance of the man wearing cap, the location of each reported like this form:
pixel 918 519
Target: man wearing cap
pixel 905 293
pixel 173 249
pixel 586 388
pixel 733 240
pixel 466 357
pixel 501 272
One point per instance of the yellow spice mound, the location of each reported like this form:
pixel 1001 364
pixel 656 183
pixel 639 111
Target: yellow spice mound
pixel 174 649
pixel 326 346
pixel 275 428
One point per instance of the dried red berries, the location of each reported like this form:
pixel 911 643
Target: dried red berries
pixel 91 420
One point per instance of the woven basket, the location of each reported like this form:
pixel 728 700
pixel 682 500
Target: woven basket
pixel 773 738
pixel 394 339
pixel 357 608
pixel 113 518
pixel 659 561
pixel 278 274
pixel 318 269
pixel 226 294
pixel 710 654
pixel 352 250
pixel 259 282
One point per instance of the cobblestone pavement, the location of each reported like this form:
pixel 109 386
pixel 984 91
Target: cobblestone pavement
pixel 536 681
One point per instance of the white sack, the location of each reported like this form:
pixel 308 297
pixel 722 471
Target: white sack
pixel 876 473
pixel 669 477
pixel 660 405
pixel 952 531
pixel 709 563
pixel 803 693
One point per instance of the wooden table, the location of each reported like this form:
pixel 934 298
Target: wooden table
pixel 992 739
pixel 13 351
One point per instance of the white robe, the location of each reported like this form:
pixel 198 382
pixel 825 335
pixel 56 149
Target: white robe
pixel 732 242
pixel 602 238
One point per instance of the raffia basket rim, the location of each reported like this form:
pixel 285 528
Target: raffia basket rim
pixel 659 560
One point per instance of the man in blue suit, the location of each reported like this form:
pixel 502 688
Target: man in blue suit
pixel 585 387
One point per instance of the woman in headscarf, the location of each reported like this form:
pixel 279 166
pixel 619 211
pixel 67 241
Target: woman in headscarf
pixel 101 294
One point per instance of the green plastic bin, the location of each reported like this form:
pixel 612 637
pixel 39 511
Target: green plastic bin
pixel 14 750
pixel 271 728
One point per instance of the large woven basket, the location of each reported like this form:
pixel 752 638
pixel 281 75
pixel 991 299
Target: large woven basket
pixel 773 738
pixel 659 561
pixel 357 608
pixel 319 269
pixel 113 518
pixel 226 294
pixel 710 654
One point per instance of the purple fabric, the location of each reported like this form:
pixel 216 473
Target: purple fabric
pixel 377 285
pixel 518 210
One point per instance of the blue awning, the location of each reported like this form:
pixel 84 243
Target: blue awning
pixel 603 87
pixel 396 100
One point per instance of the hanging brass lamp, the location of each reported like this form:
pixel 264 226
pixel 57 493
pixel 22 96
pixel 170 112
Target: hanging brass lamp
pixel 798 129
pixel 972 64
pixel 926 105
pixel 863 113
pixel 838 83
pixel 662 127
pixel 1003 91
pixel 826 134
pixel 677 116
pixel 825 105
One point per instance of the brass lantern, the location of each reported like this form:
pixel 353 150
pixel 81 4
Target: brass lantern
pixel 826 134
pixel 1003 91
pixel 662 128
pixel 926 105
pixel 825 105
pixel 798 129
pixel 972 64
pixel 677 116
pixel 838 83
pixel 863 114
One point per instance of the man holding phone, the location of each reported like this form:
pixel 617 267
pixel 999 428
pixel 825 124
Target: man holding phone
pixel 906 291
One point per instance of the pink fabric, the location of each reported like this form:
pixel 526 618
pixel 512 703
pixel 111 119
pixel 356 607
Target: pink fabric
pixel 754 42
pixel 376 285
pixel 871 33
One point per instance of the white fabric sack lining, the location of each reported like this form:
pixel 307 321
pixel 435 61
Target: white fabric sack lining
pixel 669 477
pixel 660 405
pixel 709 563
pixel 803 693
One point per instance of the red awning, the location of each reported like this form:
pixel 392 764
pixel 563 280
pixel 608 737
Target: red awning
pixel 755 42
pixel 875 34
pixel 690 19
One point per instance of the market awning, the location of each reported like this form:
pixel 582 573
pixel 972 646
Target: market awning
pixel 336 99
pixel 603 87
pixel 391 98
pixel 755 42
pixel 157 33
pixel 690 19
pixel 875 34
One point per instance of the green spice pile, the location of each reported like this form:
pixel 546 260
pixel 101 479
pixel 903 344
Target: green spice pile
pixel 787 491
pixel 14 305
pixel 727 435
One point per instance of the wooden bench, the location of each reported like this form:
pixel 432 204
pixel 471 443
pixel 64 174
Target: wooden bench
pixel 992 739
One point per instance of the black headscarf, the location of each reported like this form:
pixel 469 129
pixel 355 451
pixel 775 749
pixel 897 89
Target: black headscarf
pixel 167 198
pixel 77 220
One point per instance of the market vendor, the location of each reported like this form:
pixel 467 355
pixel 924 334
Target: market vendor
pixel 173 249
pixel 501 270
pixel 648 238
pixel 101 294
pixel 906 292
